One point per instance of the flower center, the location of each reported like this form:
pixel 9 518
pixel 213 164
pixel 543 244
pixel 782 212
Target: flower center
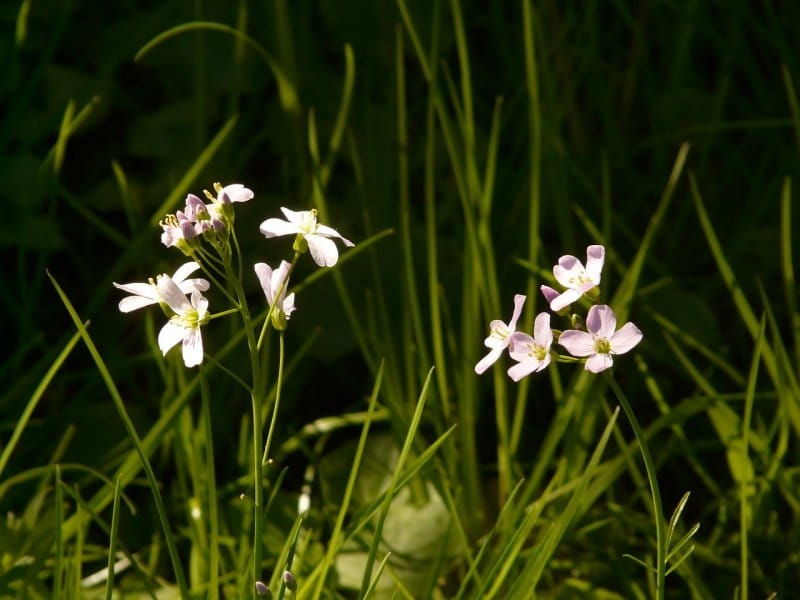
pixel 309 224
pixel 190 319
pixel 537 352
pixel 500 332
pixel 602 345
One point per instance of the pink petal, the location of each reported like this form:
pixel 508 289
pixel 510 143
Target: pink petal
pixel 519 346
pixel 322 250
pixel 170 335
pixel 577 343
pixel 277 227
pixel 541 330
pixel 626 338
pixel 599 362
pixel 519 302
pixel 549 293
pixel 601 321
pixel 568 267
pixel 595 257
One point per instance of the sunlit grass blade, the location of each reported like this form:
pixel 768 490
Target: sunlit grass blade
pixel 134 437
pixel 112 541
pixel 676 515
pixel 787 267
pixel 30 406
pixel 58 566
pixel 286 91
pixel 344 506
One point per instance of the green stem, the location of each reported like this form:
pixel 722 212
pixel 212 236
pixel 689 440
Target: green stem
pixel 658 512
pixel 265 457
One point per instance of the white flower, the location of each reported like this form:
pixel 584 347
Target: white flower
pixel 499 336
pixel 145 294
pixel 578 280
pixel 304 225
pixel 532 353
pixel 602 341
pixel 274 284
pixel 235 192
pixel 184 325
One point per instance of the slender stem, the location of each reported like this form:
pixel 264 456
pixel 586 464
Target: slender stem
pixel 658 511
pixel 265 457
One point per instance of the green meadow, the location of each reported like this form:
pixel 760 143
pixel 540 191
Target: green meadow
pixel 399 410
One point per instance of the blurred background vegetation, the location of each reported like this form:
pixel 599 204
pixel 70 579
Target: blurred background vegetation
pixel 93 141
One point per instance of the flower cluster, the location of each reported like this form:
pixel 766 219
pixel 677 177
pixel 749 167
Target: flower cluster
pixel 202 231
pixel 597 344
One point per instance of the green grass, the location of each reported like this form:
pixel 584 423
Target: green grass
pixel 464 148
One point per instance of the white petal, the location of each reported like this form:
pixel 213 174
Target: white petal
pixel 577 343
pixel 296 217
pixel 601 321
pixel 196 283
pixel 595 257
pixel 523 368
pixel 276 227
pixel 489 359
pixel 139 289
pixel 599 362
pixel 172 294
pixel 193 348
pixel 170 335
pixel 129 303
pixel 519 345
pixel 184 271
pixel 200 303
pixel 564 300
pixel 626 338
pixel 264 274
pixel 236 192
pixel 288 305
pixel 322 250
pixel 330 232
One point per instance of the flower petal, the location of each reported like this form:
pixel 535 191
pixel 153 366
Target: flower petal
pixel 488 360
pixel 564 299
pixel 322 250
pixel 542 332
pixel 195 283
pixel 131 303
pixel 625 338
pixel 140 289
pixel 567 269
pixel 595 257
pixel 599 362
pixel 296 217
pixel 330 232
pixel 172 294
pixel 519 302
pixel 525 367
pixel 288 305
pixel 601 321
pixel 519 346
pixel 170 335
pixel 236 192
pixel 264 274
pixel 193 347
pixel 184 271
pixel 277 227
pixel 577 343
pixel 549 293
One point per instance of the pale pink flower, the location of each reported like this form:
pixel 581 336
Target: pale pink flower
pixel 184 325
pixel 500 336
pixel 578 280
pixel 532 353
pixel 602 340
pixel 316 235
pixel 274 283
pixel 145 294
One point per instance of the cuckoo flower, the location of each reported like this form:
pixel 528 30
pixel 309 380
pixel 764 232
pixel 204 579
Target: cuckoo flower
pixel 145 294
pixel 578 280
pixel 602 340
pixel 532 353
pixel 310 234
pixel 500 336
pixel 184 325
pixel 274 284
